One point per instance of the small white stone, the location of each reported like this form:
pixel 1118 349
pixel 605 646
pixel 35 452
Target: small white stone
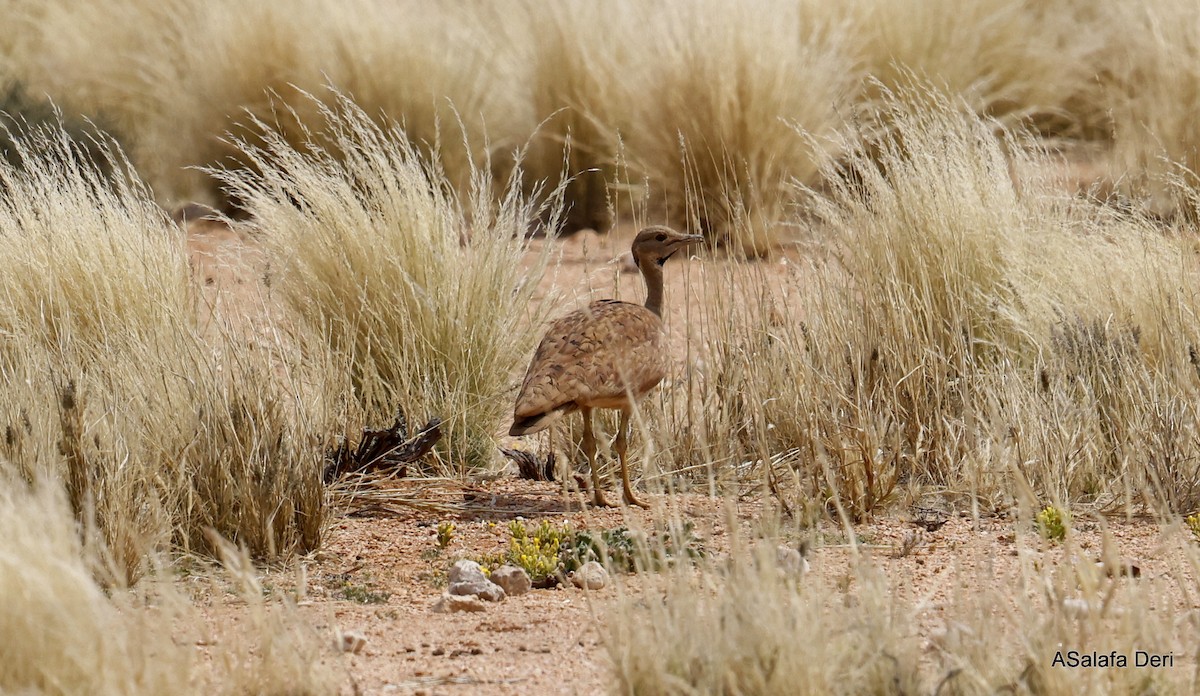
pixel 483 589
pixel 350 642
pixel 465 570
pixel 448 604
pixel 791 562
pixel 590 576
pixel 513 579
pixel 467 578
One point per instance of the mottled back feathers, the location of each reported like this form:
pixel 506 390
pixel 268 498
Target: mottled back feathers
pixel 595 357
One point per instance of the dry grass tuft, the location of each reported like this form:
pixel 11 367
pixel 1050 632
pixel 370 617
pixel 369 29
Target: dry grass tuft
pixel 725 90
pixel 1021 62
pixel 157 433
pixel 414 290
pixel 965 272
pixel 65 635
pixel 971 330
pixel 749 628
pixel 744 626
pixel 701 95
pixel 174 77
pixel 68 635
pixel 1152 88
pixel 580 92
pixel 90 260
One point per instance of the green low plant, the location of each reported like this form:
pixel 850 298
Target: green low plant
pixel 538 551
pixel 363 594
pixel 445 535
pixel 1193 523
pixel 617 546
pixel 1052 523
pixel 549 550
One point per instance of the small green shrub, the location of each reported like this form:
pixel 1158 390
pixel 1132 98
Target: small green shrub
pixel 623 550
pixel 1193 523
pixel 363 594
pixel 1052 523
pixel 549 551
pixel 445 535
pixel 617 545
pixel 539 552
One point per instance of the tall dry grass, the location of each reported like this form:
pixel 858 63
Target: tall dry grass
pixel 1152 87
pixel 700 96
pixel 970 330
pixel 435 69
pixel 726 86
pixel 157 433
pixel 580 91
pixel 742 625
pixel 173 78
pixel 1032 267
pixel 125 434
pixel 63 633
pixel 1021 62
pixel 418 294
pixel 120 64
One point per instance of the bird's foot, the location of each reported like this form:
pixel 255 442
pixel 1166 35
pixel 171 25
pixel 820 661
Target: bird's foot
pixel 599 500
pixel 630 499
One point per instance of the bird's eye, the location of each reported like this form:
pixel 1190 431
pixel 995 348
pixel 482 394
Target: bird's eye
pixel 660 237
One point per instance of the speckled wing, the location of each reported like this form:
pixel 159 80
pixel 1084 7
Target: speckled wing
pixel 592 357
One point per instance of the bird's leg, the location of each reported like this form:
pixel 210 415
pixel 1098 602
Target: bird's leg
pixel 562 468
pixel 621 445
pixel 589 449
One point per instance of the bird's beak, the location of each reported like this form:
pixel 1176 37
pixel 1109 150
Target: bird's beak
pixel 680 242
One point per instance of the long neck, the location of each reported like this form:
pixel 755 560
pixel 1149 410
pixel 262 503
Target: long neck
pixel 653 274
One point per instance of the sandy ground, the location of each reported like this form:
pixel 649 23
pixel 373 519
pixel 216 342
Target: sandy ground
pixel 550 641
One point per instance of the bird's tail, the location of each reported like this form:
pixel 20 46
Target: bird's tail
pixel 527 425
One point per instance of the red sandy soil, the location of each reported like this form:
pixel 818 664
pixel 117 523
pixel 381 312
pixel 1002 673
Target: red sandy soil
pixel 551 641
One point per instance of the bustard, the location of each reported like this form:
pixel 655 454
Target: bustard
pixel 606 355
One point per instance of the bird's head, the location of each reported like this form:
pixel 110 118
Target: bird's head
pixel 654 245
